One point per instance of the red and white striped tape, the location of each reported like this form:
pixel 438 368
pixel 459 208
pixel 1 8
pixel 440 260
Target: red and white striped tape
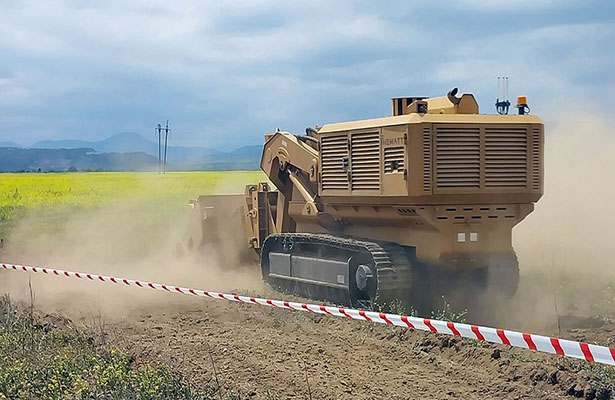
pixel 568 348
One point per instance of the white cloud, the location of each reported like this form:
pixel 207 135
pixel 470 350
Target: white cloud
pixel 238 69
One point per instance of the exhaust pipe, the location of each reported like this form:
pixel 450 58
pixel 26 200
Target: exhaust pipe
pixel 306 138
pixel 452 96
pixel 309 130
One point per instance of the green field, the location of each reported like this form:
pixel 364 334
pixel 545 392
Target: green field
pixel 56 195
pixel 110 217
pixel 23 192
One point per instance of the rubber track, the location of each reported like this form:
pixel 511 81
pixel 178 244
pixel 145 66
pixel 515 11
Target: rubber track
pixel 393 268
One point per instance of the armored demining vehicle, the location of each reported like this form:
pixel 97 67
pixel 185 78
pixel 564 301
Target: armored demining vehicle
pixel 405 207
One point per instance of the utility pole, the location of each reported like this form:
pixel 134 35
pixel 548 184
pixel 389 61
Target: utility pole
pixel 159 131
pixel 166 141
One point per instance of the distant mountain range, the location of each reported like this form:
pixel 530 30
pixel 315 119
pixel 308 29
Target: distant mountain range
pixel 9 144
pixel 129 142
pixel 14 159
pixel 123 151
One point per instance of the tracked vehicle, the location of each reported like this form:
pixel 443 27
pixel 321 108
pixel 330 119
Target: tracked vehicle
pixel 404 207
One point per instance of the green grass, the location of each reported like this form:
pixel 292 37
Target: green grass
pixel 40 362
pixel 30 191
pixel 55 195
pixel 449 313
pixel 601 377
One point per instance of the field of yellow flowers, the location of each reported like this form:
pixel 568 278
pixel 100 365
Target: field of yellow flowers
pixel 60 193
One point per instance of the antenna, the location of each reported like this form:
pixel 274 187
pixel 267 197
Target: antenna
pixel 502 104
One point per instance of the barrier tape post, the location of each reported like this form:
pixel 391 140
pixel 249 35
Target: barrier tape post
pixel 545 344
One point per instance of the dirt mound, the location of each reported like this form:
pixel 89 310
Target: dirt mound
pixel 275 354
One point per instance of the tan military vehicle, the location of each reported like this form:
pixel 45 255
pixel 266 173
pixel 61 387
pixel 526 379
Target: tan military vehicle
pixel 404 207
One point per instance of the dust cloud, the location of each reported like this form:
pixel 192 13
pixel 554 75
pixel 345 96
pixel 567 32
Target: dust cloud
pixel 134 238
pixel 573 225
pixel 566 247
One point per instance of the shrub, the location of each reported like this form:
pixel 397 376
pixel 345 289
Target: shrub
pixel 39 362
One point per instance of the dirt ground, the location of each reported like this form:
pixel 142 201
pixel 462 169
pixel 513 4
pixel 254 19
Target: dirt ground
pixel 268 353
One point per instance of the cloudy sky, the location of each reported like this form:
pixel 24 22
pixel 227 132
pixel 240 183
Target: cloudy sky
pixel 225 73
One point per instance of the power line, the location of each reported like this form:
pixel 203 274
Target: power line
pixel 166 141
pixel 158 129
pixel 162 152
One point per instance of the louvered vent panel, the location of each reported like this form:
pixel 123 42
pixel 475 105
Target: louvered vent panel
pixel 457 157
pixel 334 150
pixel 536 159
pixel 394 159
pixel 365 160
pixel 426 159
pixel 505 157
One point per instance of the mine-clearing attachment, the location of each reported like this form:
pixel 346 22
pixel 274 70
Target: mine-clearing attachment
pixel 217 223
